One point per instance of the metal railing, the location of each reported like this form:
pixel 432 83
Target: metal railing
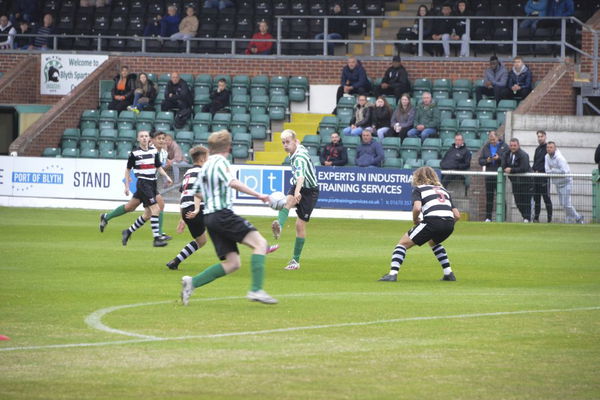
pixel 572 196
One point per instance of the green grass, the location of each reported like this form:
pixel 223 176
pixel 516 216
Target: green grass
pixel 342 334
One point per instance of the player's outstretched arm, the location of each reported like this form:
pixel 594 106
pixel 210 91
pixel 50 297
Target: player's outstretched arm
pixel 127 181
pixel 167 177
pixel 197 203
pixel 456 214
pixel 416 212
pixel 240 187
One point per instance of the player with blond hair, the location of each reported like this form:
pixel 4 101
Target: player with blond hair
pixel 439 215
pixel 303 194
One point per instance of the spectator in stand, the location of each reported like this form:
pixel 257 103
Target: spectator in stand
pixel 220 4
pixel 188 27
pixel 427 118
pixel 381 117
pixel 123 90
pixel 177 94
pixel 369 153
pixel 534 8
pixel 519 81
pixel 24 10
pixel 152 28
pixel 354 79
pixel 516 161
pixel 490 159
pixel 458 157
pixel 23 42
pixel 461 28
pixel 144 94
pixel 422 11
pixel 219 98
pixel 555 163
pixel 169 24
pixel 597 156
pixel 403 118
pixel 42 41
pixel 362 117
pixel 558 8
pixel 7 33
pixel 337 28
pixel 445 29
pixel 494 81
pixel 174 152
pixel 540 184
pixel 395 80
pixel 258 48
pixel 334 154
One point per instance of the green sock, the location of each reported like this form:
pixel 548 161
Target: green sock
pixel 298 248
pixel 160 222
pixel 208 275
pixel 283 216
pixel 258 271
pixel 117 212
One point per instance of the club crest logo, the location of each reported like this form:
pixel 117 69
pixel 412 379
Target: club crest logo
pixel 52 69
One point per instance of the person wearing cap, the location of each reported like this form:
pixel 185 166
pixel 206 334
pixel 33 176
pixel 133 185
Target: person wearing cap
pixel 395 81
pixel 494 81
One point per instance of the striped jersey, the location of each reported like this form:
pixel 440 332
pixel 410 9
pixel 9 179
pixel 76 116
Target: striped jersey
pixel 302 166
pixel 435 200
pixel 213 183
pixel 187 184
pixel 144 162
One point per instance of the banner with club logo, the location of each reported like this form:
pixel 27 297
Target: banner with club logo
pixel 61 73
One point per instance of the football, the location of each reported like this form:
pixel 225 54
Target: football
pixel 277 200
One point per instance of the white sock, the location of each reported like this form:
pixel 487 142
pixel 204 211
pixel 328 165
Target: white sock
pixel 447 271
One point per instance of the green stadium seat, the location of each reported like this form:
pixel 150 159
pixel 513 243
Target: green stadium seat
pixel 465 105
pixel 410 148
pixel 391 147
pixel 463 114
pixel 70 152
pixel 329 122
pixel 277 91
pixel 235 91
pixel 87 143
pixel 446 104
pixel 162 126
pixel 469 127
pixel 105 99
pixel 447 143
pixel 260 125
pixel 279 81
pixel 239 121
pixel 433 163
pixel 298 88
pixel 108 116
pixel 89 153
pixel 51 152
pixel 103 146
pixel 448 127
pixel 432 144
pixel 258 91
pixel 241 145
pixel 146 116
pixel 326 131
pixel 107 154
pixel 164 117
pixel 163 79
pixel 486 125
pixel 350 141
pixel 506 105
pixel 239 103
pixel 201 99
pixel 68 143
pixel 351 157
pixel 314 140
pixel 486 109
pixel 198 129
pixel 393 162
pixel 461 89
pixel 220 121
pixel 202 118
pixel 240 81
pixel 413 163
pixel 90 116
pixel 476 84
pixel 346 102
pixel 184 137
pixel 429 154
pixel 442 87
pixel 258 104
pixel 260 81
pixel 72 133
pixel 277 107
pixel 473 144
pixel 203 81
pixel 422 85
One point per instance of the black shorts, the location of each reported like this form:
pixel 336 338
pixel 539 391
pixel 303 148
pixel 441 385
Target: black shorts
pixel 307 202
pixel 146 192
pixel 226 230
pixel 196 225
pixel 436 229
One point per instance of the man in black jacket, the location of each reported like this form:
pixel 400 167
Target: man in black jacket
pixel 219 98
pixel 178 96
pixel 334 153
pixel 540 184
pixel 458 157
pixel 395 80
pixel 516 161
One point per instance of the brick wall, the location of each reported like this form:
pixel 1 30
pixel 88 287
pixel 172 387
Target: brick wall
pixel 587 42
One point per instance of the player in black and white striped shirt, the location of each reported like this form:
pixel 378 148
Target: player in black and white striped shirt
pixel 195 225
pixel 145 162
pixel 439 216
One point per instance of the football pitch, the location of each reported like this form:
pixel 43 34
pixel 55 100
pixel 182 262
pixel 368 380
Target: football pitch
pixel 90 319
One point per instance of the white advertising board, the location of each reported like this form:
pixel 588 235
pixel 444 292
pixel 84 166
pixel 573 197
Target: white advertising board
pixel 61 73
pixel 67 178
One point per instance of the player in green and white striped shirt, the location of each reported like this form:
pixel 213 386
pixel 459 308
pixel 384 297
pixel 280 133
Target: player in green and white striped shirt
pixel 214 185
pixel 303 194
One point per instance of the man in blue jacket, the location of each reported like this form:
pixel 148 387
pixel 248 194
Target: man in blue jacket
pixel 494 80
pixel 370 152
pixel 519 81
pixel 354 79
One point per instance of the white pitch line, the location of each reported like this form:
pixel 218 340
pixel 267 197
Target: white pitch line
pixel 304 328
